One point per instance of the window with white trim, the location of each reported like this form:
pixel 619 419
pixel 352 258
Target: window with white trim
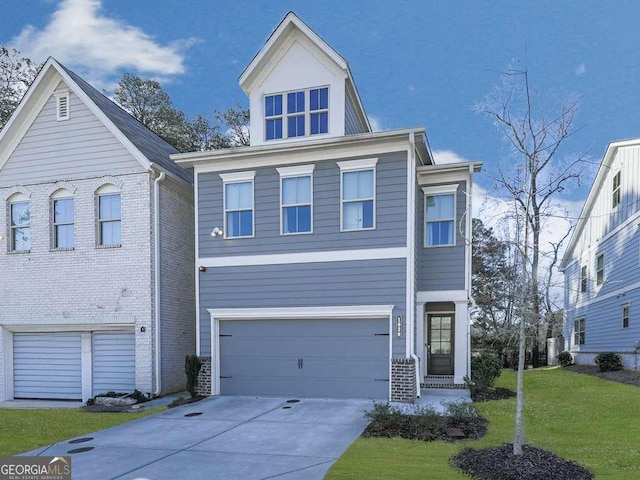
pixel 616 195
pixel 109 216
pixel 579 331
pixel 62 207
pixel 20 223
pixel 358 194
pixel 296 199
pixel 583 279
pixel 625 316
pixel 238 204
pixel 296 114
pixel 600 269
pixel 62 105
pixel 440 215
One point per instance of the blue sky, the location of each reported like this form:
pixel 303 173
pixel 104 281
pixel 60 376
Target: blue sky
pixel 416 63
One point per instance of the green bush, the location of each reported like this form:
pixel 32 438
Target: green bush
pixel 609 362
pixel 565 359
pixel 192 366
pixel 485 368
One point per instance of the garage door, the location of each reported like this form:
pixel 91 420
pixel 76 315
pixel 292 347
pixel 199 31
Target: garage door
pixel 305 358
pixel 47 366
pixel 113 362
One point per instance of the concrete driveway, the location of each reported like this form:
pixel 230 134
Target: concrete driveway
pixel 222 438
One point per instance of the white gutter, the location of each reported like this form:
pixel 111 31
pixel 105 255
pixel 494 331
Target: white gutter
pixel 156 260
pixel 411 241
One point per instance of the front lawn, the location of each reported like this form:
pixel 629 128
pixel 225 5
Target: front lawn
pixel 24 430
pixel 591 421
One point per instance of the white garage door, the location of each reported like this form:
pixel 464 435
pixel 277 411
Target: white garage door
pixel 47 366
pixel 114 362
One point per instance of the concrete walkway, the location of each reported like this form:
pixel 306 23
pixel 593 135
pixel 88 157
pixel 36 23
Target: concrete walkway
pixel 221 438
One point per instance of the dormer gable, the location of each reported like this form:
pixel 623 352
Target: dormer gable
pixel 299 87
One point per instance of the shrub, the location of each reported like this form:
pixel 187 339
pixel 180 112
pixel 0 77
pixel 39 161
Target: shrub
pixel 460 411
pixel 192 366
pixel 485 368
pixel 609 361
pixel 565 359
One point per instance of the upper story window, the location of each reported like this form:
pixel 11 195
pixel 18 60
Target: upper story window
pixel 306 113
pixel 20 223
pixel 109 216
pixel 625 316
pixel 440 215
pixel 579 331
pixel 616 196
pixel 238 204
pixel 358 194
pixel 583 278
pixel 600 269
pixel 63 219
pixel 296 199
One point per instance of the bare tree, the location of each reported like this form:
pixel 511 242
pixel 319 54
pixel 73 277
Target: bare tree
pixel 534 177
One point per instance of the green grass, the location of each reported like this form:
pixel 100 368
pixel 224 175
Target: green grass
pixel 24 430
pixel 582 418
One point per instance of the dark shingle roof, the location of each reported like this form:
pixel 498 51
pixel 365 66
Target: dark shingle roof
pixel 152 146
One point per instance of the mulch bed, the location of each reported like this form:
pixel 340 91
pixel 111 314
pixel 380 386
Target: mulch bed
pixel 411 428
pixel 499 463
pixel 488 394
pixel 185 401
pixel 629 377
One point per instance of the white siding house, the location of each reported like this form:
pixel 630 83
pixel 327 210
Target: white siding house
pixel 96 282
pixel 602 263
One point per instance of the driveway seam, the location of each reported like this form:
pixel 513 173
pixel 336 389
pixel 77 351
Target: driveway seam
pixel 297 470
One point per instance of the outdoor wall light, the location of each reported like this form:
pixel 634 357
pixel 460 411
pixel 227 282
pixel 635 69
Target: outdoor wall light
pixel 143 329
pixel 217 232
pixel 202 268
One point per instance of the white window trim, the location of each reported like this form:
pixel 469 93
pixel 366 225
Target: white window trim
pixel 626 306
pixel 306 113
pixel 60 194
pixel 435 191
pixel 239 177
pixel 617 190
pixel 295 172
pixel 62 95
pixel 598 255
pixel 107 189
pixel 358 166
pixel 577 321
pixel 15 199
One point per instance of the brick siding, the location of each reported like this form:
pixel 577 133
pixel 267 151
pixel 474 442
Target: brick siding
pixel 403 380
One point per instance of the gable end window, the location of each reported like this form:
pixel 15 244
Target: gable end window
pixel 63 220
pixel 296 199
pixel 625 316
pixel 579 331
pixel 238 204
pixel 296 114
pixel 62 105
pixel 600 269
pixel 20 223
pixel 358 194
pixel 616 196
pixel 440 215
pixel 109 217
pixel 583 279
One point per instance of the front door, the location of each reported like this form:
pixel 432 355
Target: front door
pixel 440 344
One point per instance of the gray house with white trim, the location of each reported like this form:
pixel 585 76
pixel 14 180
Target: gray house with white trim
pixel 332 261
pixel 96 248
pixel 600 265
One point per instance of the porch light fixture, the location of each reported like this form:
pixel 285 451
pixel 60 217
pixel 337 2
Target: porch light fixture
pixel 399 326
pixel 217 232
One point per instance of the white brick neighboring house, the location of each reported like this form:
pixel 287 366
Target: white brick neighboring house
pixel 96 248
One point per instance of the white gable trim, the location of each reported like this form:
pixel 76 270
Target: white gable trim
pixel 29 109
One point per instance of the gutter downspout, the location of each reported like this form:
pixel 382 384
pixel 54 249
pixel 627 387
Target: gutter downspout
pixel 469 264
pixel 411 242
pixel 156 261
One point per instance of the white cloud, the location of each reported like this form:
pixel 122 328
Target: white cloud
pixel 442 157
pixel 81 35
pixel 582 68
pixel 376 124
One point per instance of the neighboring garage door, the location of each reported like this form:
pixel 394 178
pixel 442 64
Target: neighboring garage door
pixel 346 358
pixel 47 365
pixel 113 362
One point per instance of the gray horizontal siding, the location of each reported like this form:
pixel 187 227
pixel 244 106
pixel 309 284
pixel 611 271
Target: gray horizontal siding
pixel 379 282
pixel 391 191
pixel 80 146
pixel 352 123
pixel 442 268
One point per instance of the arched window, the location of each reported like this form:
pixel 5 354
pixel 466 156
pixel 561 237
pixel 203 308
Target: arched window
pixel 62 207
pixel 109 216
pixel 20 223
